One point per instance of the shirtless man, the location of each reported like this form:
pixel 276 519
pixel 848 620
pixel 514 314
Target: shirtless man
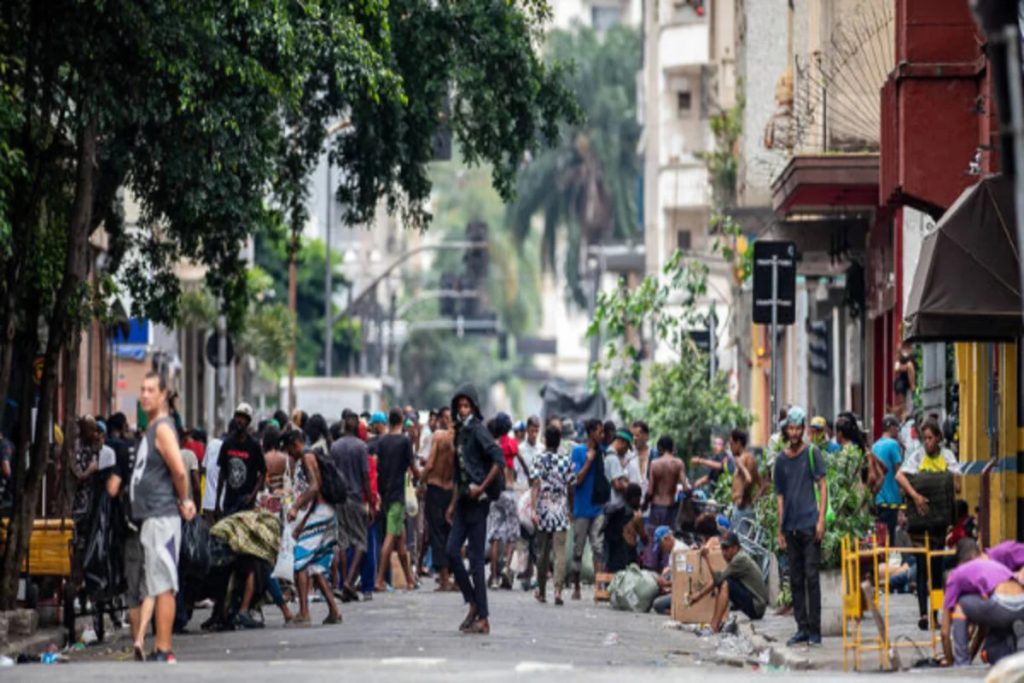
pixel 667 474
pixel 746 482
pixel 438 480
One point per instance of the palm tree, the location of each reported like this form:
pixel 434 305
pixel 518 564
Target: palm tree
pixel 586 187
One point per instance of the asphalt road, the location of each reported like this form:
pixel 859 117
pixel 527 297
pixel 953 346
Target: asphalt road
pixel 402 636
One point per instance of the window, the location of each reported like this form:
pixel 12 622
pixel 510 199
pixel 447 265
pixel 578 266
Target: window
pixel 684 104
pixel 683 240
pixel 603 18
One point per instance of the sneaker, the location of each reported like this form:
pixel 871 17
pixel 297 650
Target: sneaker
pixel 814 640
pixel 799 638
pixel 245 620
pixel 162 657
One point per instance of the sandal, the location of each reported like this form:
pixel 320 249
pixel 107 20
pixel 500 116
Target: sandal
pixel 332 619
pixel 558 600
pixel 140 654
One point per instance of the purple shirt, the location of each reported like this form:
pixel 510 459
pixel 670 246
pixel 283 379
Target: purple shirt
pixel 1010 554
pixel 977 577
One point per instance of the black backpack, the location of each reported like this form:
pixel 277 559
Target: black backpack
pixel 332 487
pixel 602 491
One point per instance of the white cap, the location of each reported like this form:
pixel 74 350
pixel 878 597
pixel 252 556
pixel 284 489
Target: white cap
pixel 244 409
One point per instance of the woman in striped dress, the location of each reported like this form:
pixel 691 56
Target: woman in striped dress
pixel 315 533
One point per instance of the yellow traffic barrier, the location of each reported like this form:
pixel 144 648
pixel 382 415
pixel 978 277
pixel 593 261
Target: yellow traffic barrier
pixel 871 594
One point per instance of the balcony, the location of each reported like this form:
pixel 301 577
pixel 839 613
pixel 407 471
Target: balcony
pixel 683 45
pixel 682 185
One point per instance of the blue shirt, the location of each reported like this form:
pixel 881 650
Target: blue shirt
pixel 887 450
pixel 582 507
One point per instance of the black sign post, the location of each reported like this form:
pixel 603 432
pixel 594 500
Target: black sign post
pixel 774 297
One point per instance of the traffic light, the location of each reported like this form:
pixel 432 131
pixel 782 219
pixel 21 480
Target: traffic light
pixel 475 259
pixel 469 304
pixel 449 283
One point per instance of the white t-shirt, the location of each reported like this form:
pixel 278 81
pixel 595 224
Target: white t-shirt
pixel 529 454
pixel 210 492
pixel 912 463
pixel 107 458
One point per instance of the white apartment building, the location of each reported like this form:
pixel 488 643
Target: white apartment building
pixel 688 74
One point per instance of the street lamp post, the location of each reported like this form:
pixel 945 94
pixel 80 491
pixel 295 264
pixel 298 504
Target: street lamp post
pixel 328 285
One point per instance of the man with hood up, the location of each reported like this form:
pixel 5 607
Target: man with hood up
pixel 478 480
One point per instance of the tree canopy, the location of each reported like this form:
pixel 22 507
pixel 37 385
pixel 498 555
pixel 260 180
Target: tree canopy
pixel 210 114
pixel 586 187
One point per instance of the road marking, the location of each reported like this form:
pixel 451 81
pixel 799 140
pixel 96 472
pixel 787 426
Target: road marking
pixel 537 667
pixel 412 661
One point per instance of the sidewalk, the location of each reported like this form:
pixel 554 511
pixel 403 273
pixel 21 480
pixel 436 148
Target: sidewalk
pixel 762 643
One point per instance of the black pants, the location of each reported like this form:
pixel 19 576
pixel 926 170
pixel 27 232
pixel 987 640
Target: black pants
pixel 618 552
pixel 889 517
pixel 923 588
pixel 438 528
pixel 740 598
pixel 470 527
pixel 804 555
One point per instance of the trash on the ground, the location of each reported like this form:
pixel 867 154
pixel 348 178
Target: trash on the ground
pixel 6 661
pixel 611 639
pixel 765 656
pixel 78 647
pixel 49 658
pixel 734 646
pixel 89 636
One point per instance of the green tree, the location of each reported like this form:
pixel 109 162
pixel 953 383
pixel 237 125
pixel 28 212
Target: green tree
pixel 212 114
pixel 683 399
pixel 586 187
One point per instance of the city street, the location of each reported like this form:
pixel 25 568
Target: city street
pixel 408 635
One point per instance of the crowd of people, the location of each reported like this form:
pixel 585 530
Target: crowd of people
pixel 379 501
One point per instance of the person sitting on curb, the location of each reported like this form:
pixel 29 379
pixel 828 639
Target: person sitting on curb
pixel 664 544
pixel 740 586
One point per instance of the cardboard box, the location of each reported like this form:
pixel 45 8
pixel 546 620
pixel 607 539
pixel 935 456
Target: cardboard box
pixel 690 575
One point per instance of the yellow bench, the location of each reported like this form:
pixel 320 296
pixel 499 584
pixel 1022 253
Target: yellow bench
pixel 49 547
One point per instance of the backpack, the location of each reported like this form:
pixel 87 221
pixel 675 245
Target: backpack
pixel 332 487
pixel 602 491
pixel 830 516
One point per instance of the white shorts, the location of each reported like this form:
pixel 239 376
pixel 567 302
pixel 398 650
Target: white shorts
pixel 161 541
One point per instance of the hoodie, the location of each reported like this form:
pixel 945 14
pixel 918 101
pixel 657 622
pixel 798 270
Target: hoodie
pixel 476 451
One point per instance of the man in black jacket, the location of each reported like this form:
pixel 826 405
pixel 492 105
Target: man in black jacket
pixel 478 481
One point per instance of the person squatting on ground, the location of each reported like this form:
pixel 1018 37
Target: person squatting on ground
pixel 740 585
pixel 478 480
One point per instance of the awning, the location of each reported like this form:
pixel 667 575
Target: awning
pixel 967 283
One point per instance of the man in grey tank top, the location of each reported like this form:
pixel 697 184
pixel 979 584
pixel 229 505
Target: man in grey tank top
pixel 159 498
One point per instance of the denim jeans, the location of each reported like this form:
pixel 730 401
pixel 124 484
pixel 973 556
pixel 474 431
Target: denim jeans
pixel 469 526
pixel 804 554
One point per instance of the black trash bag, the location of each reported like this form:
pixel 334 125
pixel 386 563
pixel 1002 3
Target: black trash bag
pixel 103 559
pixel 195 548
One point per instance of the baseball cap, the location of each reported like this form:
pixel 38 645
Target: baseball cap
pixel 244 409
pixel 660 533
pixel 818 422
pixel 729 540
pixel 796 416
pixel 519 427
pixel 378 418
pixel 625 435
pixel 890 421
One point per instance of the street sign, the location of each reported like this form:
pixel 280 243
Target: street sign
pixel 213 350
pixel 783 255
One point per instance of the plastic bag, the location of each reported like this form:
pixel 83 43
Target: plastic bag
pixel 284 568
pixel 633 590
pixel 524 508
pixel 194 559
pixel 103 561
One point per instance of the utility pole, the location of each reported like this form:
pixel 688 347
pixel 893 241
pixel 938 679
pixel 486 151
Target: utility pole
pixel 292 306
pixel 328 332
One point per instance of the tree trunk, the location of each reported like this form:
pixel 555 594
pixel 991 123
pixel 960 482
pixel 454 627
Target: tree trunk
pixel 64 321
